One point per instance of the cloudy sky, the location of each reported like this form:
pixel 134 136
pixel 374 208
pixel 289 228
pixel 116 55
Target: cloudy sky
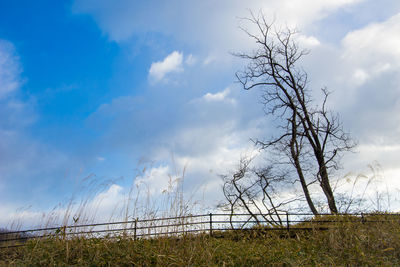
pixel 101 88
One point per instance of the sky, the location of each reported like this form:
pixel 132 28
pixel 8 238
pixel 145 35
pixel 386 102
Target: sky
pixel 113 93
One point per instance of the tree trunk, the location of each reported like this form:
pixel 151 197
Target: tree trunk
pixel 326 186
pixel 294 150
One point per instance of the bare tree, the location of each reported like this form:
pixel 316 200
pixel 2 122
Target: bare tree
pixel 310 137
pixel 254 191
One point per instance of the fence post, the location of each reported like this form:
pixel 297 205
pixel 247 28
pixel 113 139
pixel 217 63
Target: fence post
pixel 287 221
pixel 135 228
pixel 211 224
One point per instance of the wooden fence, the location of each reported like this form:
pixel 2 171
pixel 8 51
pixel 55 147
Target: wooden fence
pixel 192 224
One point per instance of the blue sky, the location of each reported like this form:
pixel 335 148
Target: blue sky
pixel 97 87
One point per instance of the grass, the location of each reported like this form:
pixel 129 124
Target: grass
pixel 346 244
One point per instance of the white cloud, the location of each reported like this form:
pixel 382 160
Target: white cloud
pixel 22 157
pixel 307 41
pixel 220 96
pixel 205 153
pixel 155 180
pixel 185 21
pixel 374 49
pixel 360 77
pixel 104 206
pixel 304 13
pixel 190 60
pixel 171 64
pixel 364 72
pixel 101 159
pixel 209 59
pixel 152 194
pixel 10 71
pixel 107 201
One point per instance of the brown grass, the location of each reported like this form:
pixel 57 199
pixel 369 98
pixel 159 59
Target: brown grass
pixel 343 244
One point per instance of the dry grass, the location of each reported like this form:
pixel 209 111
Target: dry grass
pixel 346 244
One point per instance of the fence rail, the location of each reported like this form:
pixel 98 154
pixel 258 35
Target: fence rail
pixel 191 224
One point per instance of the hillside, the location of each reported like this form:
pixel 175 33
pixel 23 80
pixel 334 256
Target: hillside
pixel 344 243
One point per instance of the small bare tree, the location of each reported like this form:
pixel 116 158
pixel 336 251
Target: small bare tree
pixel 310 137
pixel 254 191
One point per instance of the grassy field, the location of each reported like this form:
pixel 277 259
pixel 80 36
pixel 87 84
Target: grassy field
pixel 343 244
